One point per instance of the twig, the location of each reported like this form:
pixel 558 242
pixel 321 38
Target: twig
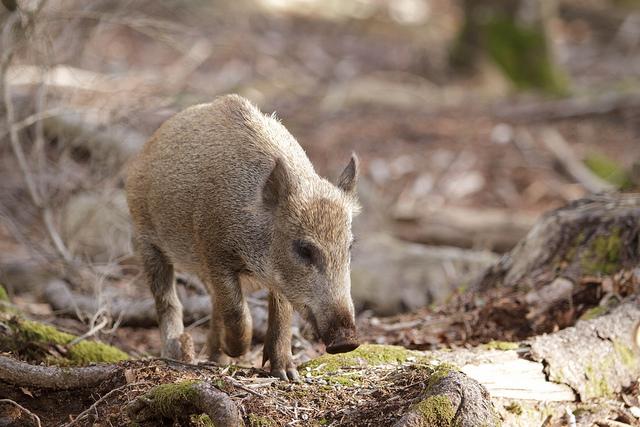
pixel 611 423
pixel 33 119
pixel 563 153
pixel 102 399
pixel 238 384
pixel 16 146
pixel 90 332
pixel 22 408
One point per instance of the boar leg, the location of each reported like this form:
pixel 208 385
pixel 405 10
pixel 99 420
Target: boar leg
pixel 159 274
pixel 214 339
pixel 277 345
pixel 234 337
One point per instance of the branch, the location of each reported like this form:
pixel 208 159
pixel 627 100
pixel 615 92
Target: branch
pixel 564 155
pixel 14 136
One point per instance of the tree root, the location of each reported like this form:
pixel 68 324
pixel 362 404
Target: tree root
pixel 24 374
pixel 455 399
pixel 14 414
pixel 184 399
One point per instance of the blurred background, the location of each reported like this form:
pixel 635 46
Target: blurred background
pixel 470 118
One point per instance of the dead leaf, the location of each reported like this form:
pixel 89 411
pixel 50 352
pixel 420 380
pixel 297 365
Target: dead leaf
pixel 26 391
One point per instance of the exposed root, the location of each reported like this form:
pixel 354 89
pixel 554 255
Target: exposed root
pixel 181 400
pixel 454 399
pixel 24 374
pixel 11 413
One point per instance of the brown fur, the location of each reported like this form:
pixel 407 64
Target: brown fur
pixel 225 192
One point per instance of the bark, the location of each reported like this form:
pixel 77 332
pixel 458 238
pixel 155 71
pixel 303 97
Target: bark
pixel 595 358
pixel 23 374
pixel 470 404
pixel 203 398
pixel 514 35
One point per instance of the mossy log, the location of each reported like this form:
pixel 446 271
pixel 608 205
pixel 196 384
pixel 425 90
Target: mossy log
pixel 597 235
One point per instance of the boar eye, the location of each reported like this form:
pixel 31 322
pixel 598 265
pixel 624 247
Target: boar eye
pixel 305 251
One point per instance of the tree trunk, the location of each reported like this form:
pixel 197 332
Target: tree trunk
pixel 514 36
pixel 597 235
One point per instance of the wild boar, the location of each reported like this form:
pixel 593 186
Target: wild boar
pixel 225 192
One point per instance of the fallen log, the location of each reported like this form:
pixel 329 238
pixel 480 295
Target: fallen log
pixel 142 313
pixel 497 230
pixel 570 108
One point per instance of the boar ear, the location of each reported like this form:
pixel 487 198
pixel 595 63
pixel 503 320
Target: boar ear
pixel 276 187
pixel 349 176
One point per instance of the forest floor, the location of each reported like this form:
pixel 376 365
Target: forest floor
pixel 423 138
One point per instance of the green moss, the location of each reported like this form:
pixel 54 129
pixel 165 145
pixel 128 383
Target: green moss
pixel 330 366
pixel 593 312
pixel 438 373
pixel 166 398
pixel 608 170
pixel 82 353
pixel 626 354
pixel 201 420
pixel 501 345
pixel 5 302
pixel 597 385
pixel 4 297
pixel 603 254
pixel 365 355
pixel 260 421
pixel 436 411
pixel 514 408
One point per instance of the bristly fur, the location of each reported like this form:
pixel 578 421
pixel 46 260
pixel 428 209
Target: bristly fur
pixel 224 191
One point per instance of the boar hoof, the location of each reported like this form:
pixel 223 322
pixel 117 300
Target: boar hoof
pixel 220 358
pixel 172 349
pixel 342 347
pixel 290 374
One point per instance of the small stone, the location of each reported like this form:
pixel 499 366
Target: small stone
pixel 502 134
pixel 635 411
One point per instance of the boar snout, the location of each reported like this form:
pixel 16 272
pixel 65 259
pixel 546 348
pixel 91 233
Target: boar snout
pixel 341 335
pixel 344 341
